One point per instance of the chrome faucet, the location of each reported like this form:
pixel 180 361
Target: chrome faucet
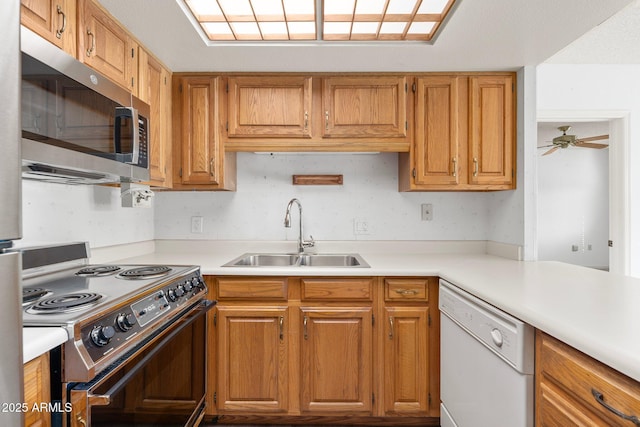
pixel 287 223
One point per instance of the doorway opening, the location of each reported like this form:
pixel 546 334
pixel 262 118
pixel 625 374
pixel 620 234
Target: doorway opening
pixel 582 194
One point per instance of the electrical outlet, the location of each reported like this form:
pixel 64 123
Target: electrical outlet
pixel 426 210
pixel 197 224
pixel 360 226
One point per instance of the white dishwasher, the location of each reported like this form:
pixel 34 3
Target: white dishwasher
pixel 486 364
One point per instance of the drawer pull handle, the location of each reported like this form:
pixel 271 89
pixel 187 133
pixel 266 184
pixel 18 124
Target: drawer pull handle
pixel 600 399
pixel 390 327
pixel 406 291
pixel 80 421
pixel 475 166
pixel 281 324
pixel 455 167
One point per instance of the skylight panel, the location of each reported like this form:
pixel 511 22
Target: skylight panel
pixel 337 20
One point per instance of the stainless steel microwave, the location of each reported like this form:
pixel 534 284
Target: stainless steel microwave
pixel 78 127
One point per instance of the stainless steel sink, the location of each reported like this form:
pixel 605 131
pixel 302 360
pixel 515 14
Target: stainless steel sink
pixel 296 260
pixel 264 260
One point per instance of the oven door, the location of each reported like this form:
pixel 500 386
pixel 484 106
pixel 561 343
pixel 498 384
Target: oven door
pixel 162 383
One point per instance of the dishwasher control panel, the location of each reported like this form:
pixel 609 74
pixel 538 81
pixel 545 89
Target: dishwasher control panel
pixel 508 337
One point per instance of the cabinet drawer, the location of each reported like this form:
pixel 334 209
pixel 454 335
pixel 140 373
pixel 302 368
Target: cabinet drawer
pixel 360 289
pixel 261 289
pixel 579 377
pixel 406 289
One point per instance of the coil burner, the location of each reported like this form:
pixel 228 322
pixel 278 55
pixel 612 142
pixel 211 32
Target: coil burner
pixel 98 270
pixel 30 295
pixel 65 303
pixel 145 272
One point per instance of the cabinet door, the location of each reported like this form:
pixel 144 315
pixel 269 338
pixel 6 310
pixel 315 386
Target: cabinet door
pixel 37 391
pixel 269 106
pixel 105 46
pixel 336 361
pixel 364 107
pixel 491 130
pixel 252 359
pixel 53 20
pixel 436 141
pixel 406 361
pixel 200 142
pixel 154 88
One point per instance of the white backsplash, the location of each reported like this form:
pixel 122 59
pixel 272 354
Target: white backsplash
pixel 53 213
pixel 370 193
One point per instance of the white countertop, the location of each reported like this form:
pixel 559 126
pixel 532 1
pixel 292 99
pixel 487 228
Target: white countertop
pixel 37 341
pixel 594 311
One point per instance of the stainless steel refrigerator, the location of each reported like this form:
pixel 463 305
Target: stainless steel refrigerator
pixel 11 377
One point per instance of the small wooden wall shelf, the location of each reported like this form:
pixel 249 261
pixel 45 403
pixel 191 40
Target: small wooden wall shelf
pixel 317 180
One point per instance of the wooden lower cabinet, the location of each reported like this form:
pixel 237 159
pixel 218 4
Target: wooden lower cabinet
pixel 37 391
pixel 304 349
pixel 336 371
pixel 569 385
pixel 252 359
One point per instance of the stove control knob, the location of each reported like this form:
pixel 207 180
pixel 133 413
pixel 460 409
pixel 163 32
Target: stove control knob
pixel 171 293
pixel 187 286
pixel 101 335
pixel 125 321
pixel 180 291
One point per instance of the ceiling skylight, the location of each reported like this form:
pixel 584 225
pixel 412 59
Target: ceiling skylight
pixel 330 20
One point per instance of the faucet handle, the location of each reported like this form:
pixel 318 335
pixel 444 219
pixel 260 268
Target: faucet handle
pixel 309 243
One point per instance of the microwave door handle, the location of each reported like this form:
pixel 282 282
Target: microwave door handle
pixel 117 126
pixel 130 113
pixel 135 124
pixel 105 399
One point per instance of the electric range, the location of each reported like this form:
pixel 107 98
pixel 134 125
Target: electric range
pixel 109 310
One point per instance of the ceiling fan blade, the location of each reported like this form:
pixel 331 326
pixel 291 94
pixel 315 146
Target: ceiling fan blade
pixel 591 145
pixel 592 138
pixel 550 151
pixel 547 146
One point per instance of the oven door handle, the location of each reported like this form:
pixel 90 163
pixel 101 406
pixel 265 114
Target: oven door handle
pixel 105 399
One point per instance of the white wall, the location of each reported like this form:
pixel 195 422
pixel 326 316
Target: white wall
pixel 573 198
pixel 256 210
pixel 601 88
pixel 54 213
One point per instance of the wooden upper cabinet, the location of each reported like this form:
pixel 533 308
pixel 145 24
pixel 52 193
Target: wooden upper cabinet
pixel 357 107
pixel 269 106
pixel 465 135
pixel 491 130
pixel 106 46
pixel 199 161
pixel 154 88
pixel 53 20
pixel 437 140
pixel 316 113
pixel 200 148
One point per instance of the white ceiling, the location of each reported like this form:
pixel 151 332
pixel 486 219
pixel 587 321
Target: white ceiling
pixel 479 35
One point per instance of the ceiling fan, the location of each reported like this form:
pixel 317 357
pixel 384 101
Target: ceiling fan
pixel 565 141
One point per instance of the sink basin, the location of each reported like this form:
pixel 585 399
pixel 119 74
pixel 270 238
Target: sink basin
pixel 264 260
pixel 295 260
pixel 333 260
